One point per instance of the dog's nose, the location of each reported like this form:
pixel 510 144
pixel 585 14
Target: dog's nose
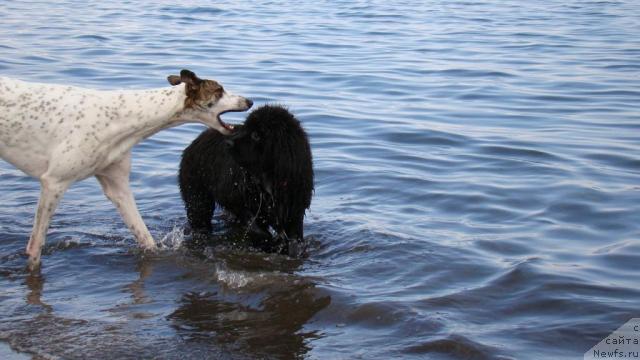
pixel 249 103
pixel 228 143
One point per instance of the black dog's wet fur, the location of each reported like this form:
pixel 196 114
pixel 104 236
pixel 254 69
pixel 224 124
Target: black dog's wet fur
pixel 262 174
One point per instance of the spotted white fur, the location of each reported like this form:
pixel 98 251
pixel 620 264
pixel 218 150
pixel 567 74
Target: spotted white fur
pixel 62 134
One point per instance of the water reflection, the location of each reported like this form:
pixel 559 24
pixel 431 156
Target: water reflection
pixel 145 269
pixel 35 283
pixel 259 308
pixel 270 327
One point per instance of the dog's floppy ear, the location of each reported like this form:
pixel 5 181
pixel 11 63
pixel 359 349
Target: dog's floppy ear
pixel 189 77
pixel 174 80
pixel 186 76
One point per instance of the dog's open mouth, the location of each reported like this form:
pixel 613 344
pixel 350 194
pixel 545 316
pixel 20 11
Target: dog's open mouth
pixel 224 124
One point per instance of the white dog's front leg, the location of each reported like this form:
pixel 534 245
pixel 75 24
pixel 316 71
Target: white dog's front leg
pixel 115 184
pixel 50 193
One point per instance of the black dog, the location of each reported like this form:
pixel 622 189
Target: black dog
pixel 262 174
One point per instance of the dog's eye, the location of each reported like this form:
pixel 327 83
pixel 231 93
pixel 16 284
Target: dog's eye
pixel 210 104
pixel 255 136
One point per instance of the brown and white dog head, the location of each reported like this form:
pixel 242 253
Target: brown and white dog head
pixel 207 100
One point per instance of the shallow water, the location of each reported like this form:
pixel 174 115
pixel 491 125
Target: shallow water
pixel 477 182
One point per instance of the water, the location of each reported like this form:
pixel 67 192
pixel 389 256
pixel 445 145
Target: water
pixel 477 182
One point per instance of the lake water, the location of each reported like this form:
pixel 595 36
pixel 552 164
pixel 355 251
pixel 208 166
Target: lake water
pixel 477 182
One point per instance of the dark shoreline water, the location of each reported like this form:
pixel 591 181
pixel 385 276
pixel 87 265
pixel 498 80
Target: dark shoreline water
pixel 477 183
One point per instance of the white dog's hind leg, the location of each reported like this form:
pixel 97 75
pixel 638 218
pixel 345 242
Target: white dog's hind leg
pixel 115 184
pixel 50 193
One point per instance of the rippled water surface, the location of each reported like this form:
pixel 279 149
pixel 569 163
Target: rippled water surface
pixel 477 182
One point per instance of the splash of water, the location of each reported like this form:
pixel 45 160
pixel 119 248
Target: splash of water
pixel 173 240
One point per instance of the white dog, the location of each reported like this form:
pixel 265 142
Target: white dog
pixel 62 134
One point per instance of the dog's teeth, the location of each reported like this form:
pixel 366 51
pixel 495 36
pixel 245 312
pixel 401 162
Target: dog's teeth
pixel 230 127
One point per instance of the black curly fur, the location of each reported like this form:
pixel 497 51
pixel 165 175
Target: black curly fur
pixel 262 174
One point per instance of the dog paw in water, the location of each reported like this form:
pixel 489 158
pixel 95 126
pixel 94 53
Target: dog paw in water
pixel 33 264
